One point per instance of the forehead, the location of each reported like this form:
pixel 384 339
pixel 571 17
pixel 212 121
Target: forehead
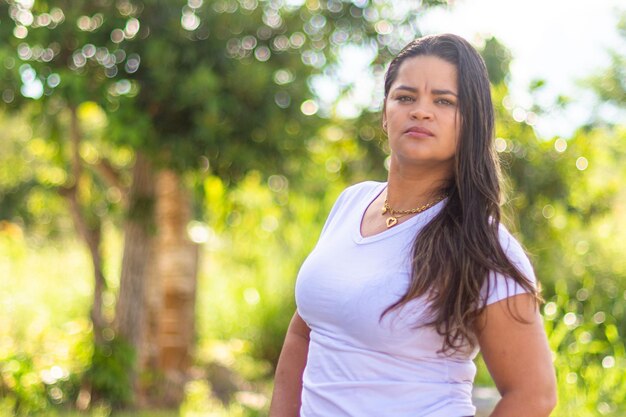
pixel 426 71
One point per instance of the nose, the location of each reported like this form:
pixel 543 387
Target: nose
pixel 421 112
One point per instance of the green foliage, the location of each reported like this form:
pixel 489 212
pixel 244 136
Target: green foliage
pixel 20 387
pixel 260 277
pixel 220 81
pixel 28 178
pixel 108 374
pixel 590 358
pixel 207 101
pixel 497 59
pixel 568 201
pixel 262 228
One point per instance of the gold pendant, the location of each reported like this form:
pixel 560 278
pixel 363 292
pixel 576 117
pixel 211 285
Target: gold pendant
pixel 391 221
pixel 384 210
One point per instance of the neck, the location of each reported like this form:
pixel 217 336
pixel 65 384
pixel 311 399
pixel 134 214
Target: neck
pixel 409 188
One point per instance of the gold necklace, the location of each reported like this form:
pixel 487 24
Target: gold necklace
pixel 394 214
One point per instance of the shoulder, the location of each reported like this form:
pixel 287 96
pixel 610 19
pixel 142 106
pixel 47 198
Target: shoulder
pixel 361 190
pixel 350 198
pixel 357 192
pixel 499 286
pixel 515 252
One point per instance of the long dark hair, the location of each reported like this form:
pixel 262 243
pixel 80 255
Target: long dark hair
pixel 455 252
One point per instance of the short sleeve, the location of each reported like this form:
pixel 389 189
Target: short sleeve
pixel 333 211
pixel 349 197
pixel 500 286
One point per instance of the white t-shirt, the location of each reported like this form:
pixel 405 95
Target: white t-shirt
pixel 358 366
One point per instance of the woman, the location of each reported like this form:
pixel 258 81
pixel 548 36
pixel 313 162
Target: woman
pixel 410 278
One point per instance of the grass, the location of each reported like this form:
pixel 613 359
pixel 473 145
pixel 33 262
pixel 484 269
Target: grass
pixel 97 413
pixel 244 302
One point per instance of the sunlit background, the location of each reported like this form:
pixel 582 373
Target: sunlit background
pixel 166 166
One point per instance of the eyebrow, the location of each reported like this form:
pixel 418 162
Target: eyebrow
pixel 437 92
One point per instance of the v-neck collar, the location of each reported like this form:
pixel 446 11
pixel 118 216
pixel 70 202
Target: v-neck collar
pixel 424 217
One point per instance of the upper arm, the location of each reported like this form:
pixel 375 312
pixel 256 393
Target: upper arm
pixel 516 352
pixel 298 327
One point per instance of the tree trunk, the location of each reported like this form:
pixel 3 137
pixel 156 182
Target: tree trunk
pixel 89 228
pixel 90 232
pixel 138 235
pixel 156 304
pixel 171 296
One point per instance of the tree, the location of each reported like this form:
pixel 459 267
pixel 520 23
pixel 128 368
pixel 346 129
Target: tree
pixel 220 85
pixel 611 85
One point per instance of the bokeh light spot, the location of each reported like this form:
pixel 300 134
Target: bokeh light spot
pixel 333 165
pixel 367 133
pixel 582 163
pixel 198 232
pixel 278 183
pixel 531 118
pixel 190 21
pixel 123 87
pixel 113 195
pixel 251 295
pixel 585 337
pixel 79 59
pixel 608 362
pixel 571 378
pixel 519 114
pixel 500 144
pixel 550 309
pixel 47 55
pixel 89 50
pixel 599 317
pixel 283 76
pixel 582 247
pixel 132 27
pixel 604 408
pixel 309 107
pixel 383 27
pixel 44 20
pixel 282 99
pixel 249 43
pixel 53 80
pixel 296 40
pixel 582 294
pixel 272 19
pixel 570 319
pixel 83 23
pixel 8 96
pixel 132 63
pixel 20 32
pixel 24 51
pixel 280 43
pixel 333 133
pixel 249 4
pixel 262 53
pixel 32 87
pixel 560 145
pixel 57 15
pixel 548 211
pixel 117 35
pixel 269 223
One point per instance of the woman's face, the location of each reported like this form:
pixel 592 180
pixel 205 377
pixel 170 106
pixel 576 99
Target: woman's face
pixel 421 113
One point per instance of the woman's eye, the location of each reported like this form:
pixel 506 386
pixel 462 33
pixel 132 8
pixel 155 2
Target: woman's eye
pixel 444 101
pixel 405 99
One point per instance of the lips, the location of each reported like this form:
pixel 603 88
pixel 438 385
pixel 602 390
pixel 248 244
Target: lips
pixel 419 132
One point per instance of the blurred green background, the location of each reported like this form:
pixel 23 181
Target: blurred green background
pixel 165 167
